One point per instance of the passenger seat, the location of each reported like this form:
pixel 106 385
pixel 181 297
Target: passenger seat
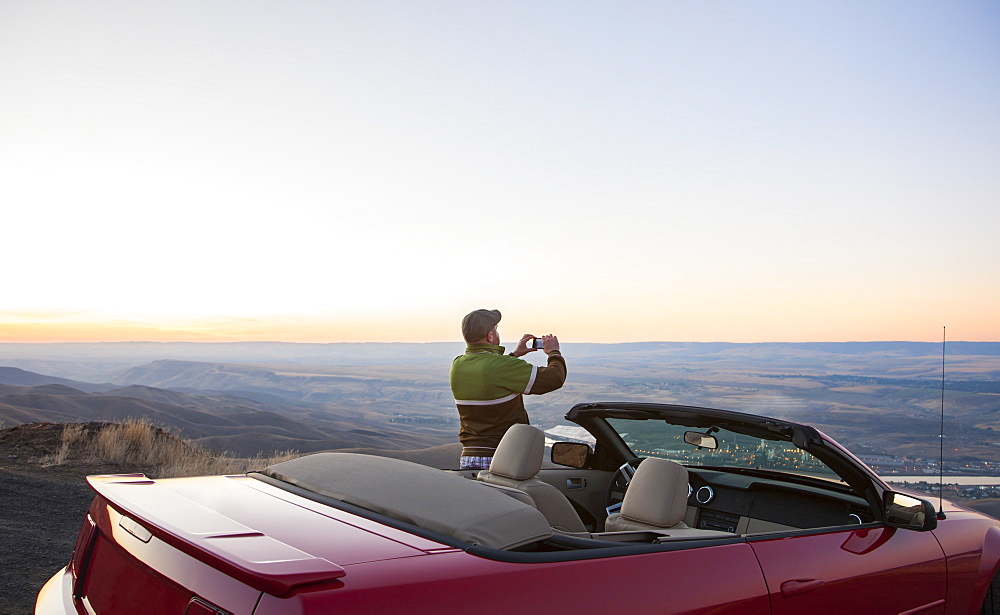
pixel 516 463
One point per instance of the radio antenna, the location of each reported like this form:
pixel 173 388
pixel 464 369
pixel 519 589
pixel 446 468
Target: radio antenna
pixel 940 514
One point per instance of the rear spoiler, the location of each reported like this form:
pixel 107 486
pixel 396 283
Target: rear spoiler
pixel 243 553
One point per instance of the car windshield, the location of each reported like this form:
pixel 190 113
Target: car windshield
pixel 654 438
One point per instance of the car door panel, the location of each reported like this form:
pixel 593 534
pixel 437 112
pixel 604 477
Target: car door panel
pixel 864 570
pixel 587 489
pixel 720 580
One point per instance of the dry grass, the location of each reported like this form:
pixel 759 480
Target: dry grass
pixel 71 436
pixel 158 453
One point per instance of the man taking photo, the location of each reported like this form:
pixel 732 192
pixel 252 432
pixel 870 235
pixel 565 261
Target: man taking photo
pixel 489 385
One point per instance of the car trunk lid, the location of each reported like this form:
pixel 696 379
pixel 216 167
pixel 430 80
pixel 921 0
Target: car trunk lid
pixel 215 543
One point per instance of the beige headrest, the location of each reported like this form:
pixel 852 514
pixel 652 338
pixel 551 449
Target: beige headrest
pixel 657 494
pixel 519 454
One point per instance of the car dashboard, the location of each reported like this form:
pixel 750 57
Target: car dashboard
pixel 742 504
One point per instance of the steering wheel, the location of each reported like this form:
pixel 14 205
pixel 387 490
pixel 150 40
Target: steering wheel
pixel 619 483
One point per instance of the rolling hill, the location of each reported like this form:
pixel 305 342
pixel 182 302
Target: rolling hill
pixel 219 422
pixel 20 377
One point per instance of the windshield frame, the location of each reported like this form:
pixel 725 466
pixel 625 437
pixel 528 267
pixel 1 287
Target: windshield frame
pixel 737 452
pixel 591 416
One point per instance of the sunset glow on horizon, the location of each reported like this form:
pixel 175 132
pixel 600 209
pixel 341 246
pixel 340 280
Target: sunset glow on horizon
pixel 370 172
pixel 730 328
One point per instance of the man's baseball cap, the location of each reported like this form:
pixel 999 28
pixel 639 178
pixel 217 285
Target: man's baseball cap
pixel 477 324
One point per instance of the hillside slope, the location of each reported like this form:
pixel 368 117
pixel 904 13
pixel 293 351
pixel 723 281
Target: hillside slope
pixel 219 422
pixel 20 377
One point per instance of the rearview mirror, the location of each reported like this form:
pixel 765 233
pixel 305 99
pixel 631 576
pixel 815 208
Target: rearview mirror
pixel 696 438
pixel 572 454
pixel 908 512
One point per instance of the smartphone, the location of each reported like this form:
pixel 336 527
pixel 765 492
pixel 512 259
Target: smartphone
pixel 536 342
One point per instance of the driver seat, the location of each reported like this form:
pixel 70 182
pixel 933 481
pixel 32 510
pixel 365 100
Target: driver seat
pixel 656 498
pixel 516 463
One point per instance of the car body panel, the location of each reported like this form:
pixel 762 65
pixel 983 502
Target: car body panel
pixel 56 596
pixel 264 507
pixel 220 539
pixel 121 572
pixel 865 570
pixel 207 517
pixel 718 580
pixel 972 549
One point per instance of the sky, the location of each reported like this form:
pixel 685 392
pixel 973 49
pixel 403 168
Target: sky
pixel 736 171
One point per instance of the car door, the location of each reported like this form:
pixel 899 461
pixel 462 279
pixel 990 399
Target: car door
pixel 872 569
pixel 586 489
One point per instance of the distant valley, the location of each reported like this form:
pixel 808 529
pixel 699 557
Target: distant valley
pixel 244 423
pixel 877 398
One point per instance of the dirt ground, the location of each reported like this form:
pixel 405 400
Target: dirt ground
pixel 41 510
pixel 39 523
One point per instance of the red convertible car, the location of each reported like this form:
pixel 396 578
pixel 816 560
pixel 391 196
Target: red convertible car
pixel 726 513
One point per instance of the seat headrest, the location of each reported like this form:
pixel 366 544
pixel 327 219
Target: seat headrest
pixel 657 494
pixel 519 454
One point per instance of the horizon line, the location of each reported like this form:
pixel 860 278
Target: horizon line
pixel 264 341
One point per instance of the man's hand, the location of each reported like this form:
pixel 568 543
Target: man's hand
pixel 522 346
pixel 550 343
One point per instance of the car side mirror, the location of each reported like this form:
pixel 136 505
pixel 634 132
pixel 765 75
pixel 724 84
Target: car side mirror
pixel 696 438
pixel 572 454
pixel 908 512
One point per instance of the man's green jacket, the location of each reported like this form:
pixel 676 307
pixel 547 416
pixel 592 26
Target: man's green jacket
pixel 488 386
